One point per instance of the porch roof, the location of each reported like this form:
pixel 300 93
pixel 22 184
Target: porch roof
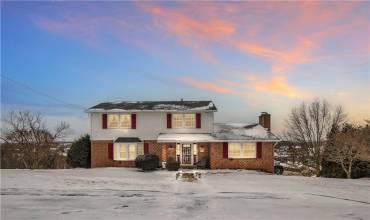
pixel 182 137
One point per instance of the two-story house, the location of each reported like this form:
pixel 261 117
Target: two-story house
pixel 184 130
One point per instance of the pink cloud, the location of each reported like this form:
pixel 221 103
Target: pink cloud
pixel 276 85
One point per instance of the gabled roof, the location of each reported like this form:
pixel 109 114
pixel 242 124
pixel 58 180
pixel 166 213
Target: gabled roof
pixel 154 106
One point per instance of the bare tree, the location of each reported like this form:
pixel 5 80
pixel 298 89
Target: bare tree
pixel 309 124
pixel 27 133
pixel 348 145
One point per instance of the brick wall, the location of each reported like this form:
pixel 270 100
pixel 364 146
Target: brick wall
pixel 266 163
pixel 99 156
pixel 155 148
pixel 99 153
pixel 168 150
pixel 205 153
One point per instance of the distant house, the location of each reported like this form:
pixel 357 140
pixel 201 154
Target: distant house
pixel 184 130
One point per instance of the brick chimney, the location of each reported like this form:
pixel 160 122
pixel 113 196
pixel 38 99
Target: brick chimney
pixel 265 120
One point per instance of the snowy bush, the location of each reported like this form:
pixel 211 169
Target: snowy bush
pixel 172 164
pixel 149 162
pixel 139 161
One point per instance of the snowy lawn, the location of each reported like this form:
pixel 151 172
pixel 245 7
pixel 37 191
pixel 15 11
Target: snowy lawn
pixel 124 193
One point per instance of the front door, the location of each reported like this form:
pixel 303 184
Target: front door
pixel 186 154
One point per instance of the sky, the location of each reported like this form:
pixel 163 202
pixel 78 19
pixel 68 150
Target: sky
pixel 59 58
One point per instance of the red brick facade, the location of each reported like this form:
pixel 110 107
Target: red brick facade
pixel 265 163
pixel 99 156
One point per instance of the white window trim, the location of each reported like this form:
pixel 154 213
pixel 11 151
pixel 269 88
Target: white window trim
pixel 242 156
pixel 126 145
pixel 183 121
pixel 119 121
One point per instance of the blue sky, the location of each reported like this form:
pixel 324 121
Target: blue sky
pixel 246 57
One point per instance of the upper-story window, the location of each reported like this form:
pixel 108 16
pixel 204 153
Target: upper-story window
pixel 183 120
pixel 119 121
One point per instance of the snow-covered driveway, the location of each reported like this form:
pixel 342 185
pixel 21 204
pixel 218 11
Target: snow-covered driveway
pixel 124 193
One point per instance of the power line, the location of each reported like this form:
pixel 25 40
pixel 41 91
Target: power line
pixel 42 93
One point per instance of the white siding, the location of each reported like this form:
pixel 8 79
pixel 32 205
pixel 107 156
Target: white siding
pixel 148 126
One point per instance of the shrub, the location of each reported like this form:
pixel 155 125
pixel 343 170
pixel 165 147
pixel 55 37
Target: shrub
pixel 139 161
pixel 333 170
pixel 79 155
pixel 278 169
pixel 361 169
pixel 149 162
pixel 172 164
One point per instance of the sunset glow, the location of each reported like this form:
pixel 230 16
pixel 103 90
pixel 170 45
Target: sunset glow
pixel 247 57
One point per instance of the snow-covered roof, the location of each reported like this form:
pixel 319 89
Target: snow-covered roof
pixel 154 106
pixel 223 132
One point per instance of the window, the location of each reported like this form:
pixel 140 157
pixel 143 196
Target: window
pixel 119 121
pixel 178 149
pixel 189 120
pixel 249 150
pixel 131 151
pixel 234 150
pixel 242 150
pixel 113 121
pixel 127 151
pixel 140 149
pixel 177 120
pixel 195 149
pixel 125 121
pixel 183 120
pixel 123 151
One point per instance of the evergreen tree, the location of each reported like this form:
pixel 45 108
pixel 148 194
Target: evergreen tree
pixel 80 153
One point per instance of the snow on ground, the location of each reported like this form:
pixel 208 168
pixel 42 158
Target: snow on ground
pixel 125 193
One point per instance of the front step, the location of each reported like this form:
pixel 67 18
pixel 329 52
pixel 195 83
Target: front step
pixel 188 176
pixel 187 166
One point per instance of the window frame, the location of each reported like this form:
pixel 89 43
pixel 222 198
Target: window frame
pixel 118 146
pixel 119 121
pixel 241 150
pixel 183 122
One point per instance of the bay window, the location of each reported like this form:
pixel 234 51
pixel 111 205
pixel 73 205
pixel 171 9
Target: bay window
pixel 119 121
pixel 132 152
pixel 127 151
pixel 242 150
pixel 183 120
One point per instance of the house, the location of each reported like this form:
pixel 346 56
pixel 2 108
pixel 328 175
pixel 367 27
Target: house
pixel 184 130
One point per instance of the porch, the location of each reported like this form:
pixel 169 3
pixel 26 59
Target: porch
pixel 186 153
